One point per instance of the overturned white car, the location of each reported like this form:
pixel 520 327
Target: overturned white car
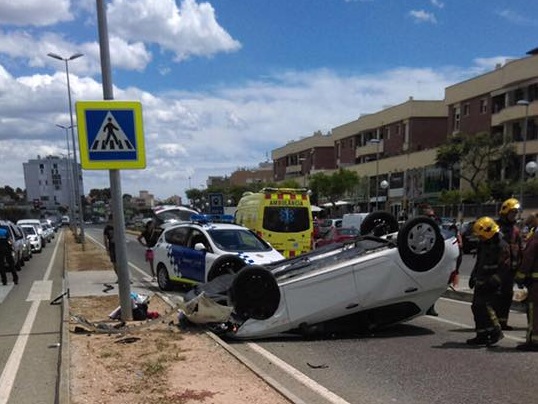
pixel 368 283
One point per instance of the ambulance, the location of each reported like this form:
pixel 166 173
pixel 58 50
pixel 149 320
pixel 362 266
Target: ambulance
pixel 281 216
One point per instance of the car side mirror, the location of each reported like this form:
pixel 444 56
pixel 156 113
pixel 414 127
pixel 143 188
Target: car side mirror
pixel 199 247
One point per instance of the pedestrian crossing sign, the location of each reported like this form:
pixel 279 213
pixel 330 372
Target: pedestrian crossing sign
pixel 110 135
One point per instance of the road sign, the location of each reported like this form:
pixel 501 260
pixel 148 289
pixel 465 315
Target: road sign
pixel 111 135
pixel 216 204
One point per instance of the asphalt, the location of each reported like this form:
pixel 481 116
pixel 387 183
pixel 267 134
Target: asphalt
pixel 92 283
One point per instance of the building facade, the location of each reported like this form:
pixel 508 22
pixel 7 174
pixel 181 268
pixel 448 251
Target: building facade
pixel 49 180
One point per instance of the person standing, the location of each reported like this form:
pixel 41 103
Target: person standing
pixel 454 276
pixel 527 275
pixel 110 245
pixel 148 238
pixel 511 234
pixel 6 257
pixel 491 260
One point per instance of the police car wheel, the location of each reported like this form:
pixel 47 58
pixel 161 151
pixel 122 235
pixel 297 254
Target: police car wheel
pixel 254 293
pixel 225 265
pixel 163 280
pixel 379 224
pixel 420 244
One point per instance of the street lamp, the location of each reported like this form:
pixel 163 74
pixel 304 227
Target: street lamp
pixel 523 155
pixel 76 173
pixel 384 185
pixel 376 141
pixel 68 168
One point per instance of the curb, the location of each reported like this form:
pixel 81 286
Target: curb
pixel 467 296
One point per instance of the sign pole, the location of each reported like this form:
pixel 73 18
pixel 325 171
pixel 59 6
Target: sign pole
pixel 115 178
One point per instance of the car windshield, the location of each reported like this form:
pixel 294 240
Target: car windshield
pixel 28 230
pixel 238 240
pixel 282 219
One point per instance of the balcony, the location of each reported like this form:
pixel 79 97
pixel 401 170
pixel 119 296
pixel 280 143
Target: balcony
pixel 513 113
pixel 368 149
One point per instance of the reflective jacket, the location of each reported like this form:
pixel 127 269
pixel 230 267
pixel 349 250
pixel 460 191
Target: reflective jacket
pixel 512 236
pixel 492 258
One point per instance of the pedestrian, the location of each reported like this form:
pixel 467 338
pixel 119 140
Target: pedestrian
pixel 511 234
pixel 110 245
pixel 527 276
pixel 148 238
pixel 429 212
pixel 492 257
pixel 6 257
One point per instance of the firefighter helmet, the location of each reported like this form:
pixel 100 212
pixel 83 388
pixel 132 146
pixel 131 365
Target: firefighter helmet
pixel 485 228
pixel 509 205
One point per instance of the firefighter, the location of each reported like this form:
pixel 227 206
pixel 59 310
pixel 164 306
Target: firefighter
pixel 491 260
pixel 6 257
pixel 511 234
pixel 527 275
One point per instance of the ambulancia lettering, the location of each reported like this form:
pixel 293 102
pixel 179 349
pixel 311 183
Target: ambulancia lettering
pixel 283 202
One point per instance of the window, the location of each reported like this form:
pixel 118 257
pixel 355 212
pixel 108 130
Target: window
pixel 466 109
pixel 456 118
pixel 483 105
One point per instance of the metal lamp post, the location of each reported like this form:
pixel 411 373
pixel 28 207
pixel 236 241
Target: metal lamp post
pixel 69 186
pixel 76 173
pixel 523 155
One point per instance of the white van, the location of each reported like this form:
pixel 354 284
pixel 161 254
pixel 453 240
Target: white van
pixel 353 220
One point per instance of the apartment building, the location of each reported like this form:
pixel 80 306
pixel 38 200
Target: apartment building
pixel 50 180
pixel 399 144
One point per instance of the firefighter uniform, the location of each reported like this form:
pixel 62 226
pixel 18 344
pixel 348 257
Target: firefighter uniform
pixel 511 234
pixel 6 258
pixel 491 260
pixel 527 276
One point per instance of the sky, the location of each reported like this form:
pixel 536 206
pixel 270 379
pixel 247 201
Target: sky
pixel 222 83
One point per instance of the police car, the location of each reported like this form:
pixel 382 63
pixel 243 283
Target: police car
pixel 206 248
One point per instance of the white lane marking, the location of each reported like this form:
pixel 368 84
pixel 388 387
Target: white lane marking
pixel 4 291
pixel 7 379
pixel 300 377
pixel 40 290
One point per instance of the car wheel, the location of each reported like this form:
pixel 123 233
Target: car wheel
pixel 379 224
pixel 163 280
pixel 420 244
pixel 225 265
pixel 255 293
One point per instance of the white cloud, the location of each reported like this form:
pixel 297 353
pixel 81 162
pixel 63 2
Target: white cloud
pixel 438 3
pixel 516 18
pixel 34 12
pixel 190 30
pixel 423 16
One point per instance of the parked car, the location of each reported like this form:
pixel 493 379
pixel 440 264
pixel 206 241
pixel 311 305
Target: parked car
pixel 32 236
pixel 468 238
pixel 327 224
pixel 39 229
pixel 201 250
pixel 17 240
pixel 337 235
pixel 48 231
pixel 26 245
pixel 165 215
pixel 374 282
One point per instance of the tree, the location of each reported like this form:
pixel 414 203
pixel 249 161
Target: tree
pixel 335 186
pixel 475 155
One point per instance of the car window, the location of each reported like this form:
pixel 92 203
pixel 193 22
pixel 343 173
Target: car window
pixel 286 219
pixel 238 240
pixel 198 237
pixel 177 236
pixel 28 230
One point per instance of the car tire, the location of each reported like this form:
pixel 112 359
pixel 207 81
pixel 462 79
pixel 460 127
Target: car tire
pixel 379 224
pixel 163 280
pixel 226 264
pixel 420 244
pixel 254 293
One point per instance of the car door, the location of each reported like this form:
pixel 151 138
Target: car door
pixel 186 261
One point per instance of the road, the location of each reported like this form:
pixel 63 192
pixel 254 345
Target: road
pixel 423 361
pixel 31 329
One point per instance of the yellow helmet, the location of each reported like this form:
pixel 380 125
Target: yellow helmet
pixel 485 227
pixel 508 205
